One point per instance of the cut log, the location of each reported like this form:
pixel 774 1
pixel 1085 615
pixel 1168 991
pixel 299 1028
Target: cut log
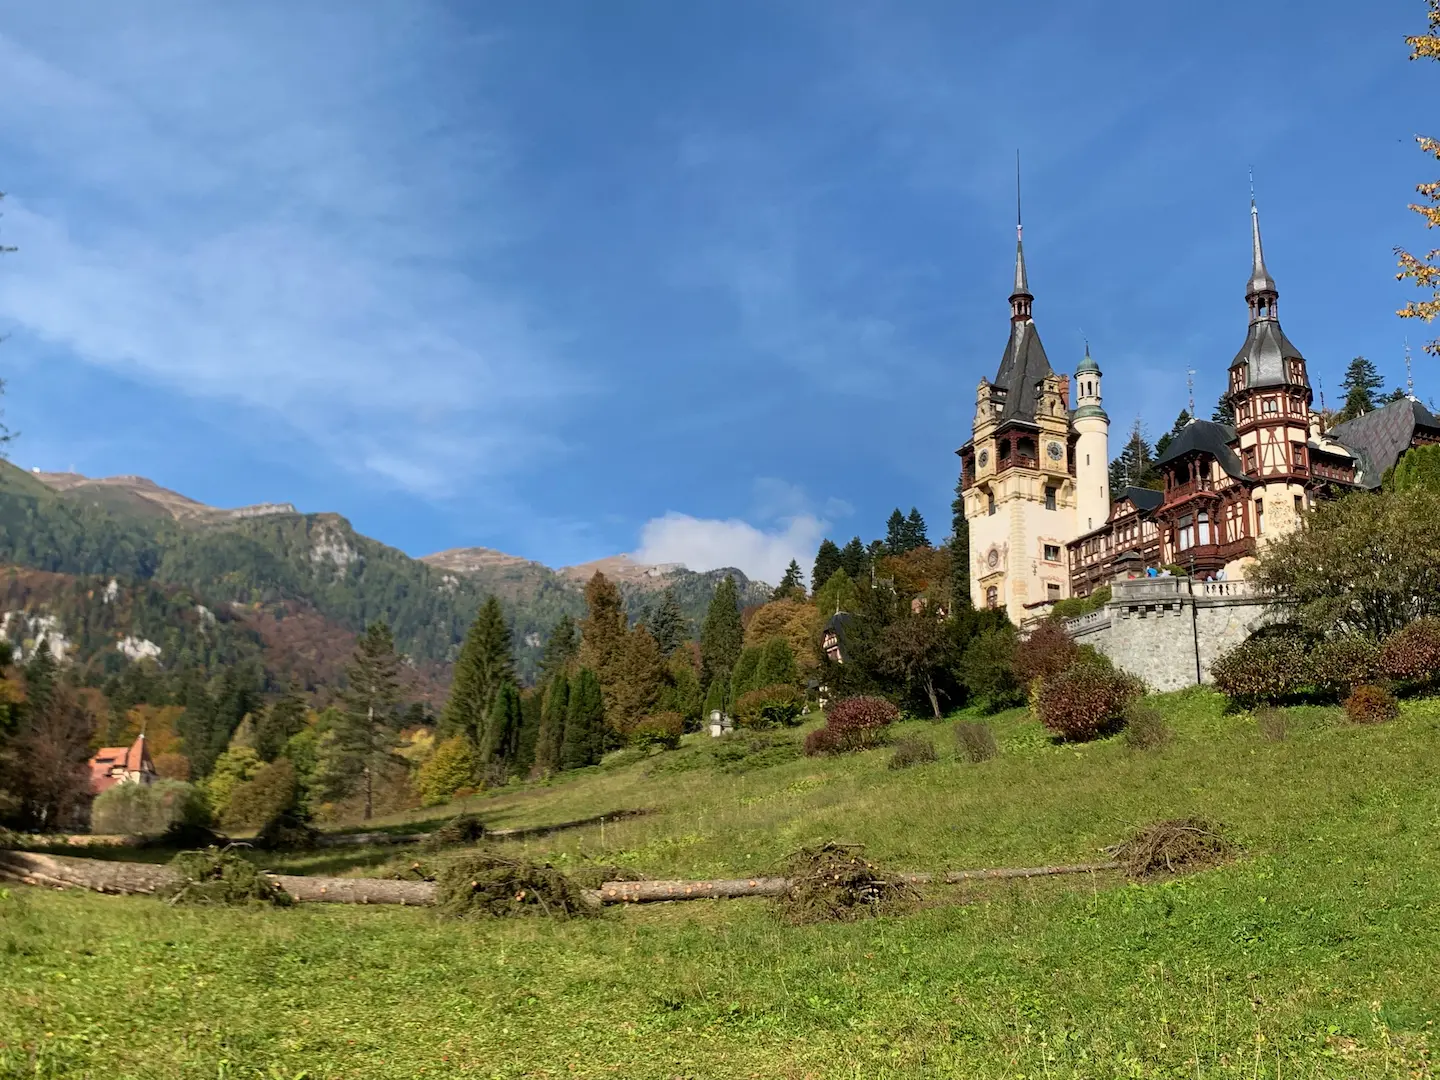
pixel 339 890
pixel 361 839
pixel 98 875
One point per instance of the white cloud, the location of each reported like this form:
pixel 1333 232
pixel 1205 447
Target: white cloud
pixel 709 543
pixel 221 206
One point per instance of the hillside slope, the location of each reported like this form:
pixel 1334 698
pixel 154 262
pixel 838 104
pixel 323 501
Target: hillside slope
pixel 276 563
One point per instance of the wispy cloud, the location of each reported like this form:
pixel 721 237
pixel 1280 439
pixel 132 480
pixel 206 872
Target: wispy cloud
pixel 268 212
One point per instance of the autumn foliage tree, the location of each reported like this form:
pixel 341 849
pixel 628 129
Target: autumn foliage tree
pixel 1423 270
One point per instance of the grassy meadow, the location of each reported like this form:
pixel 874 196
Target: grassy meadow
pixel 1316 954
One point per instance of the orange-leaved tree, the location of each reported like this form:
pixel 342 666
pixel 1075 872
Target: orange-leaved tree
pixel 1423 269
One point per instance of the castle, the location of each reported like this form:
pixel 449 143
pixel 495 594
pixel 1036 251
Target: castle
pixel 1035 472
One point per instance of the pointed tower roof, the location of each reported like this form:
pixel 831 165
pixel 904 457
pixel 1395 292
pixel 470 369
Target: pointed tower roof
pixel 1088 366
pixel 1022 280
pixel 1266 347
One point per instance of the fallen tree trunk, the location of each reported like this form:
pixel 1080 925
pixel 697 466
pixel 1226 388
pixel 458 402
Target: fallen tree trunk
pixel 100 875
pixel 645 892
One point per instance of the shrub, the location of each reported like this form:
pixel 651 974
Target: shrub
pixel 448 769
pixel 912 750
pixel 1048 651
pixel 1262 670
pixel 1145 727
pixel 770 706
pixel 859 723
pixel 660 729
pixel 148 809
pixel 1272 724
pixel 1086 700
pixel 289 830
pixel 976 741
pixel 822 740
pixel 1371 704
pixel 232 768
pixel 269 793
pixel 222 876
pixel 987 668
pixel 461 829
pixel 1412 653
pixel 1339 664
pixel 173 766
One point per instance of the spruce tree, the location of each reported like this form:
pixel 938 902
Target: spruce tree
pixel 916 536
pixel 584 740
pixel 855 560
pixel 279 722
pixel 1361 383
pixel 896 537
pixel 365 734
pixel 827 561
pixel 667 623
pixel 722 636
pixel 550 741
pixel 742 679
pixel 777 665
pixel 1135 467
pixel 792 584
pixel 959 550
pixel 501 745
pixel 637 676
pixel 1224 412
pixel 1163 443
pixel 485 664
pixel 532 703
pixel 561 647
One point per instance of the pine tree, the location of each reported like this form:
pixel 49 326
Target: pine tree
pixel 915 534
pixel 584 740
pixel 1362 381
pixel 1135 467
pixel 777 665
pixel 561 647
pixel 896 537
pixel 722 636
pixel 855 560
pixel 501 745
pixel 1163 443
pixel 550 742
pixel 364 738
pixel 484 665
pixel 667 624
pixel 792 584
pixel 1224 412
pixel 959 550
pixel 532 703
pixel 827 561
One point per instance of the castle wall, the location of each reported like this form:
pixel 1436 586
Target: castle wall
pixel 1158 631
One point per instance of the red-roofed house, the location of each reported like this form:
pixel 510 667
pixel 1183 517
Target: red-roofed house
pixel 122 765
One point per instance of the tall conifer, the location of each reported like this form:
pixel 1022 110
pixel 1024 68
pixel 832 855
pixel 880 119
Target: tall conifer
pixel 501 745
pixel 827 561
pixel 551 738
pixel 667 624
pixel 485 664
pixel 584 722
pixel 722 636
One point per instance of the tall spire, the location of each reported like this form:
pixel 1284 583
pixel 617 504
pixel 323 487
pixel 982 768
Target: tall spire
pixel 1020 298
pixel 1261 291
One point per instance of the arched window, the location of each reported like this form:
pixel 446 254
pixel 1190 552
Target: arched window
pixel 992 597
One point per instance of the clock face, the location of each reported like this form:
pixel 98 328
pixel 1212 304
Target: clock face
pixel 993 559
pixel 1056 451
pixel 984 458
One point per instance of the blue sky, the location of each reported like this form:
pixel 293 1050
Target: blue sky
pixel 699 281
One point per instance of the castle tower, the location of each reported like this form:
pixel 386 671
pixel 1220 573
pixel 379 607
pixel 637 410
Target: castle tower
pixel 1018 471
pixel 1092 448
pixel 1269 389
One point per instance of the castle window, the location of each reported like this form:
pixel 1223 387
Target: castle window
pixel 1049 498
pixel 1299 504
pixel 1052 591
pixel 1269 407
pixel 1260 517
pixel 1298 450
pixel 990 495
pixel 1249 459
pixel 1052 552
pixel 992 597
pixel 1202 528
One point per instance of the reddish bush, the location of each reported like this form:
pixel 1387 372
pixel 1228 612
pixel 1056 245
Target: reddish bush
pixel 1371 705
pixel 1262 671
pixel 821 741
pixel 1086 700
pixel 770 706
pixel 1048 651
pixel 1412 653
pixel 860 722
pixel 1339 664
pixel 659 729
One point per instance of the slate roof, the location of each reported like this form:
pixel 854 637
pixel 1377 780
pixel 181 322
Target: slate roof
pixel 1264 354
pixel 1145 499
pixel 1378 438
pixel 1205 437
pixel 1021 369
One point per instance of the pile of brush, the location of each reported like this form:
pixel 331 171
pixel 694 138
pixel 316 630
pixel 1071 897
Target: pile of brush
pixel 486 884
pixel 1175 846
pixel 834 883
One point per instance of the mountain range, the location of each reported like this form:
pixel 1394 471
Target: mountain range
pixel 110 569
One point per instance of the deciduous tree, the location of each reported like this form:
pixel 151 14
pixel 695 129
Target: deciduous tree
pixel 1423 270
pixel 914 651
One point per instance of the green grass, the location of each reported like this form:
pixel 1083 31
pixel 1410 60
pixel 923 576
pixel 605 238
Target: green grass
pixel 1312 956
